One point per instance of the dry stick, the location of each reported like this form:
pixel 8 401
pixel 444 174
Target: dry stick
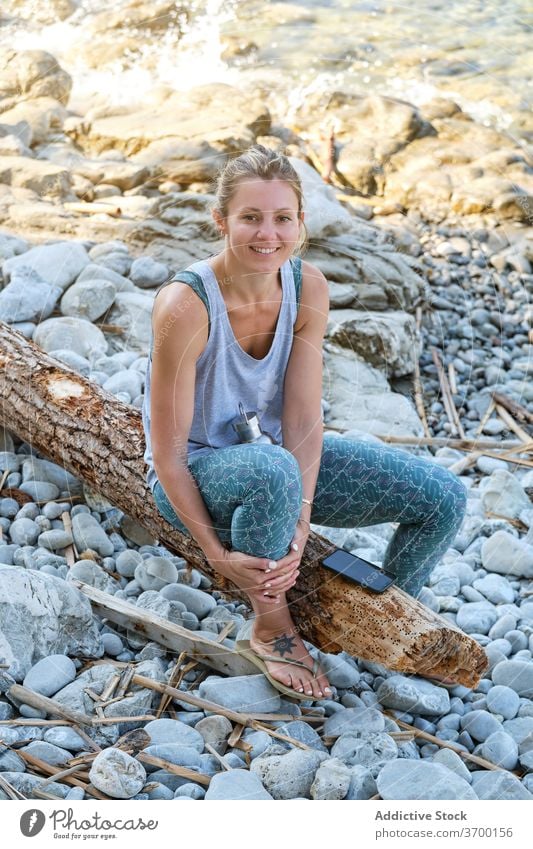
pixel 446 745
pixel 517 410
pixel 486 416
pixel 417 382
pixel 173 680
pixel 299 745
pixel 465 462
pixel 234 739
pixel 234 716
pixel 516 523
pixel 42 766
pixel 220 758
pixel 9 790
pixel 71 553
pixel 4 478
pixel 182 771
pixel 28 697
pixel 451 379
pixel 93 208
pixel 90 742
pixel 447 399
pixel 37 722
pixel 125 680
pixel 110 687
pixel 506 417
pixel 63 774
pixel 463 444
pixel 37 793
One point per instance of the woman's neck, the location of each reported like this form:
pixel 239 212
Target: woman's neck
pixel 247 288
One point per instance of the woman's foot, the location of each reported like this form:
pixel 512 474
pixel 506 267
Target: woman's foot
pixel 285 643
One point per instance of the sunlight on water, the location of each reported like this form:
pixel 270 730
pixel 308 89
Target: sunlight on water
pixel 414 51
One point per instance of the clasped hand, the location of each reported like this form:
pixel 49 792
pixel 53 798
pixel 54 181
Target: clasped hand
pixel 259 577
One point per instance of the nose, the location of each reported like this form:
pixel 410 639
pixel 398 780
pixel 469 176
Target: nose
pixel 266 229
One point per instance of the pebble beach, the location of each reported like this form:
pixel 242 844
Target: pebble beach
pixel 419 209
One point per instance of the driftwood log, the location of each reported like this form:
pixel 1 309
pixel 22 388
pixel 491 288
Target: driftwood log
pixel 78 425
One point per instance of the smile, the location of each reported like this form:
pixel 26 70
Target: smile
pixel 264 250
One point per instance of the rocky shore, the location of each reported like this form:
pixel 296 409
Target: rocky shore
pixel 425 237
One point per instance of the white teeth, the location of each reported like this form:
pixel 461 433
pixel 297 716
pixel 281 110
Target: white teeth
pixel 264 250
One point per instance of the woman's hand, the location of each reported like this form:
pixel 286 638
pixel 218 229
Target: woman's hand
pixel 255 575
pixel 258 576
pixel 283 582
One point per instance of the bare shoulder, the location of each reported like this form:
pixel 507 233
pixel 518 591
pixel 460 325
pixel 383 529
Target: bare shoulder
pixel 179 319
pixel 314 297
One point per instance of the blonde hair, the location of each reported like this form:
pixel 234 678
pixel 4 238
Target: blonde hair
pixel 264 164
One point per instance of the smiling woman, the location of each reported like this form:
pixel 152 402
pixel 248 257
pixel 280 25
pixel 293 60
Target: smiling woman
pixel 246 332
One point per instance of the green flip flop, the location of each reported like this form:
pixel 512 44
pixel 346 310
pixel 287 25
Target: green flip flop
pixel 242 646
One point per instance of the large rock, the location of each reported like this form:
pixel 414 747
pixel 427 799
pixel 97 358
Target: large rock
pixel 117 774
pixel 324 215
pixel 44 116
pixel 516 674
pixel 236 784
pixel 498 784
pixel 41 177
pixel 360 397
pixel 76 334
pixel 502 494
pixel 507 555
pixel 133 312
pixel 413 695
pixel 383 339
pixel 288 776
pixel 88 299
pixel 27 297
pixel 33 73
pixel 200 112
pixel 247 693
pixel 88 533
pixel 40 616
pixel 58 264
pixel 407 779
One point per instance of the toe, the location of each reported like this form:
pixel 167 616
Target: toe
pixel 323 684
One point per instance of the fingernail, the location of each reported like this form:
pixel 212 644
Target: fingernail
pixel 327 690
pixel 272 564
pixel 268 585
pixel 295 546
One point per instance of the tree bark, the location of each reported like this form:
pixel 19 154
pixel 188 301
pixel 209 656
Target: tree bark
pixel 86 430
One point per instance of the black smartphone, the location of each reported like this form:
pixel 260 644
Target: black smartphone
pixel 358 570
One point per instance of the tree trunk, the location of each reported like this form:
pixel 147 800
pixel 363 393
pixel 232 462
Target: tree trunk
pixel 101 440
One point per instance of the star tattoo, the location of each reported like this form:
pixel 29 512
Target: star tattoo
pixel 284 644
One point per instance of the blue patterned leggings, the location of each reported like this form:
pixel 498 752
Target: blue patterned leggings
pixel 253 494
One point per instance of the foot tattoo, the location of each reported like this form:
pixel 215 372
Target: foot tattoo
pixel 284 644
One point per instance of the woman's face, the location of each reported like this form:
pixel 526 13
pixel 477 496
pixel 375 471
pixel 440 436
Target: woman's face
pixel 262 225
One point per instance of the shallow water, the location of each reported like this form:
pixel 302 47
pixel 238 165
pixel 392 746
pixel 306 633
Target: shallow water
pixel 477 52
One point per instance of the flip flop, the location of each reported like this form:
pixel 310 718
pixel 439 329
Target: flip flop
pixel 242 646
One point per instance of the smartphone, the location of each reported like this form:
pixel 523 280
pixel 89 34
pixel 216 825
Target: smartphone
pixel 358 570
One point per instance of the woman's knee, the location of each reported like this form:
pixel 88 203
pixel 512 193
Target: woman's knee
pixel 280 463
pixel 454 497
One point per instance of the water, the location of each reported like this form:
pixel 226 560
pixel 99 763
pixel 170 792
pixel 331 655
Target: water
pixel 477 52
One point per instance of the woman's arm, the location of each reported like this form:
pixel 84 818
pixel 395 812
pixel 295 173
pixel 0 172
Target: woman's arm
pixel 302 392
pixel 179 336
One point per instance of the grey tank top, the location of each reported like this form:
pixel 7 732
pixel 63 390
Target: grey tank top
pixel 226 374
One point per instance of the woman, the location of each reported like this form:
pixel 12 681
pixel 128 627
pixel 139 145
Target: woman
pixel 246 325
